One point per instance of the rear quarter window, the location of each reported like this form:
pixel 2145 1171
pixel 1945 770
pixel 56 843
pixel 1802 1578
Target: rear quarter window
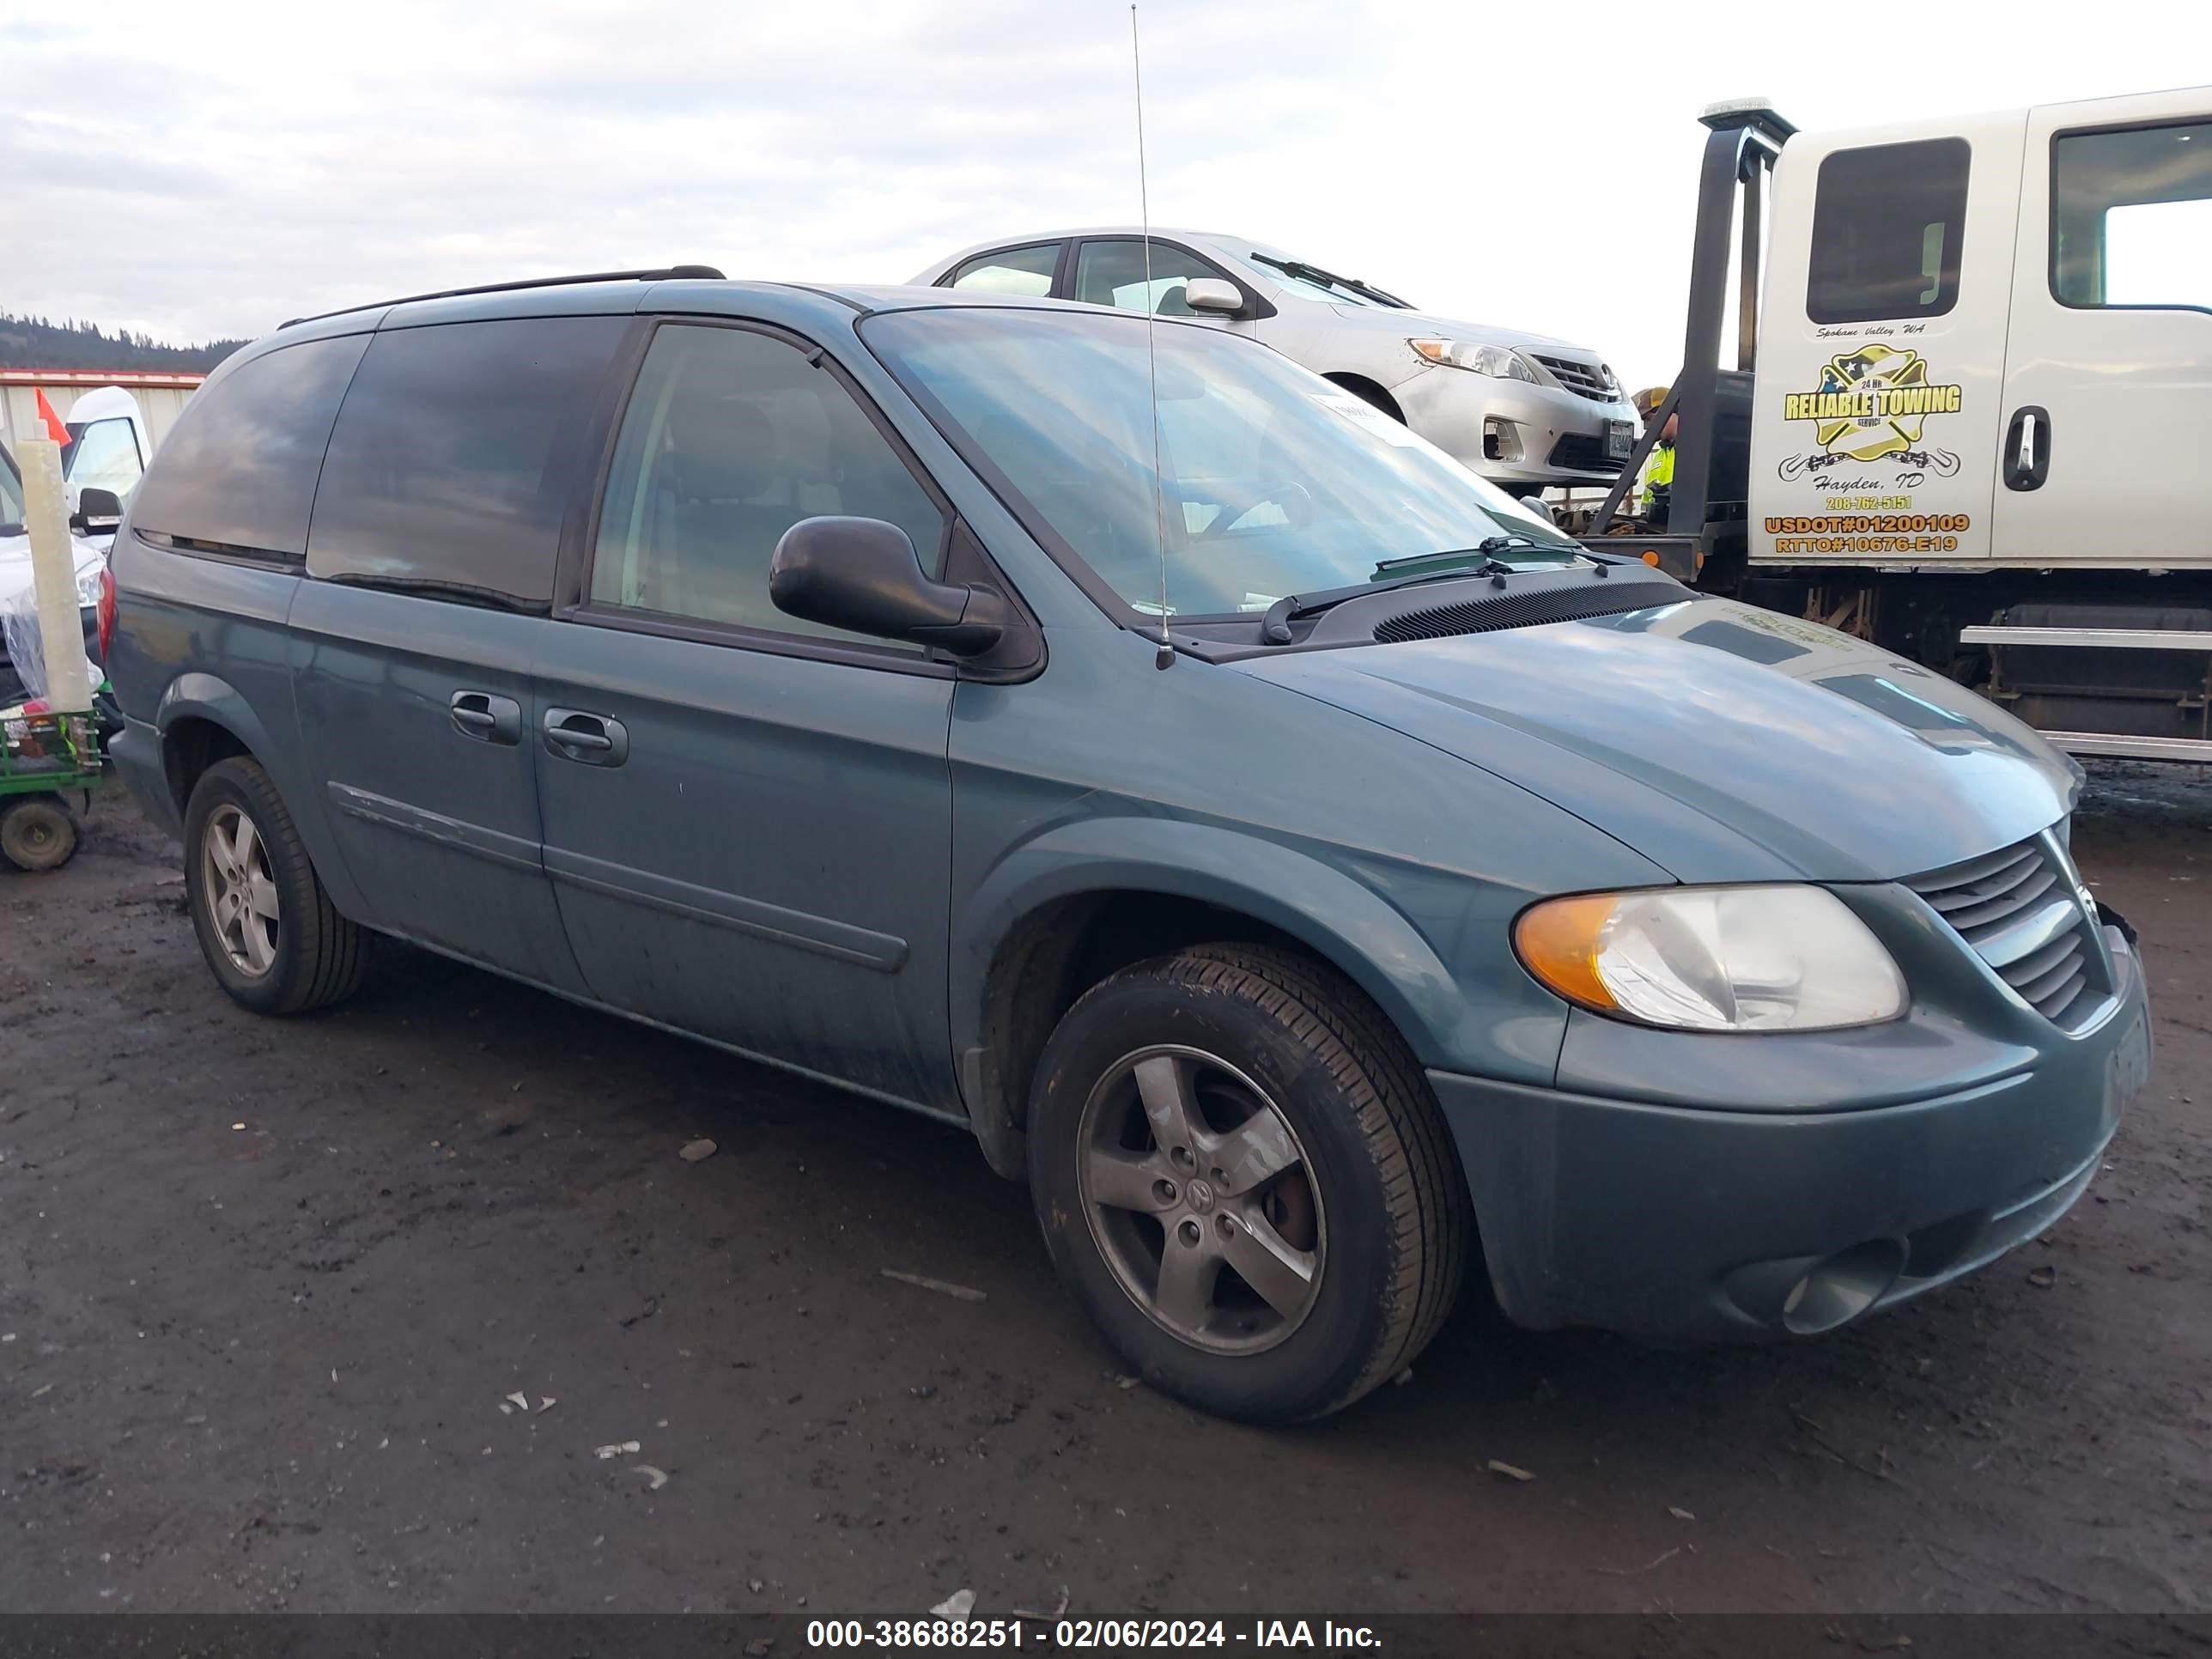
pixel 239 471
pixel 456 455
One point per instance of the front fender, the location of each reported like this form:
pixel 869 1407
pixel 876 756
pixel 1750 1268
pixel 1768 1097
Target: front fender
pixel 197 695
pixel 1346 922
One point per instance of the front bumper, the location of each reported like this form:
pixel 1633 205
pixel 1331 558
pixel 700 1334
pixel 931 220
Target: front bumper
pixel 1674 1220
pixel 1454 409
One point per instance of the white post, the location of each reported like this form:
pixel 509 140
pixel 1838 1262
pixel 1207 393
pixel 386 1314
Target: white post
pixel 53 576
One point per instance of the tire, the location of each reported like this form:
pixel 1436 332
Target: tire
pixel 38 832
pixel 1376 1245
pixel 311 956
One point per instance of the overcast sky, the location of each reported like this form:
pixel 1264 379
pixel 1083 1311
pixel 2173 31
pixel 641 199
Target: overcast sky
pixel 210 170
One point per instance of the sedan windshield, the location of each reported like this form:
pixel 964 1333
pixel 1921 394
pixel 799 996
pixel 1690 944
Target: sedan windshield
pixel 1270 481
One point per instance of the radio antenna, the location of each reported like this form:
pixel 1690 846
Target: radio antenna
pixel 1166 657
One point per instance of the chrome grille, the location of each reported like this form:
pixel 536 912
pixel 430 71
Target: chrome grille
pixel 1587 379
pixel 2021 911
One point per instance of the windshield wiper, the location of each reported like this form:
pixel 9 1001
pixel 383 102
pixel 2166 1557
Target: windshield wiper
pixel 1275 626
pixel 1330 279
pixel 1486 546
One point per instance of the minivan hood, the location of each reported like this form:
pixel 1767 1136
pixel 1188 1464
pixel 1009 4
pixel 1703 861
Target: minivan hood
pixel 1723 742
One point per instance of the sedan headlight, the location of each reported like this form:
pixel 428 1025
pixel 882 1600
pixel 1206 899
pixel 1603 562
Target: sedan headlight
pixel 1713 959
pixel 87 587
pixel 1500 363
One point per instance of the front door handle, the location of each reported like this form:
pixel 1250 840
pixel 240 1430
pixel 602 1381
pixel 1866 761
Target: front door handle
pixel 577 734
pixel 485 717
pixel 2027 448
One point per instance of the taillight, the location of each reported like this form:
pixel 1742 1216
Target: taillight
pixel 106 611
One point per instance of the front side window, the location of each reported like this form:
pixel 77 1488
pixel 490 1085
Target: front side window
pixel 1887 222
pixel 1114 274
pixel 730 438
pixel 104 455
pixel 1026 271
pixel 1270 481
pixel 455 455
pixel 2131 216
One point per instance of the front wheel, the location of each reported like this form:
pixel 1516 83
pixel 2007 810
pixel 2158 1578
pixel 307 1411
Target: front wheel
pixel 1241 1172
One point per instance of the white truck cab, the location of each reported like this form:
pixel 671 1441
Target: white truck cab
pixel 1971 417
pixel 110 444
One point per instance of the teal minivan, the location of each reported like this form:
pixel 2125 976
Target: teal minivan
pixel 1318 879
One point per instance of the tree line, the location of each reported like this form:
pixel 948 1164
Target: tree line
pixel 41 342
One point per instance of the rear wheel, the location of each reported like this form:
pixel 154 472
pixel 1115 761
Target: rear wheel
pixel 1239 1170
pixel 37 832
pixel 265 925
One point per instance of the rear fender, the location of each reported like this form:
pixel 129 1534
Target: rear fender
pixel 201 695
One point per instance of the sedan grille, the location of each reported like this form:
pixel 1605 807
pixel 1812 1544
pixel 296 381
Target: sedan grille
pixel 1588 381
pixel 2021 911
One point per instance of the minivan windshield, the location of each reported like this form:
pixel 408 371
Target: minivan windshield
pixel 1271 481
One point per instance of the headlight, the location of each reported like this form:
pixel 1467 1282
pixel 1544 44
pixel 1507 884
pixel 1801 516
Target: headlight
pixel 1500 363
pixel 87 587
pixel 1713 959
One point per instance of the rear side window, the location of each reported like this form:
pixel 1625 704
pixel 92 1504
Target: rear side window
pixel 239 472
pixel 1888 220
pixel 2131 216
pixel 454 457
pixel 1023 270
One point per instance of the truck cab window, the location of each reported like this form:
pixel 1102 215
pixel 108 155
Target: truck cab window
pixel 104 455
pixel 1887 225
pixel 2131 216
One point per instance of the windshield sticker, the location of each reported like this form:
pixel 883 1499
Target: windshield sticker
pixel 1872 405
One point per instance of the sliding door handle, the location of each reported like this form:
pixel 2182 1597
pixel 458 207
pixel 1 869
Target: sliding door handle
pixel 486 717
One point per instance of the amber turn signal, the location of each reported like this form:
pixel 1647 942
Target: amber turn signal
pixel 1558 942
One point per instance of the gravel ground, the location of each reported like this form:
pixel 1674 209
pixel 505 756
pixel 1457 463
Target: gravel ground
pixel 264 1287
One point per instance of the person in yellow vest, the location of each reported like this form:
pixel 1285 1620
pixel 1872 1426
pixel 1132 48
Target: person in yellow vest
pixel 1658 466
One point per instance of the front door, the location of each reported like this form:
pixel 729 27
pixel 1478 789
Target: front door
pixel 1881 346
pixel 748 817
pixel 2108 379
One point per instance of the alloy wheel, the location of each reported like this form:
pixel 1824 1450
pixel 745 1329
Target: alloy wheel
pixel 1199 1196
pixel 239 890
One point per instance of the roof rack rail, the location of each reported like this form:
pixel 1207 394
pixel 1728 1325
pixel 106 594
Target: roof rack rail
pixel 707 273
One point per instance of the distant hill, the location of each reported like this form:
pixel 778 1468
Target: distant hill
pixel 37 342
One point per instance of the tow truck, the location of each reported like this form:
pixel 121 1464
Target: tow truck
pixel 1970 417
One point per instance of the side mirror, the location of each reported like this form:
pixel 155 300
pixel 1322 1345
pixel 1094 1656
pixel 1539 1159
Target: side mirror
pixel 863 575
pixel 94 502
pixel 1213 295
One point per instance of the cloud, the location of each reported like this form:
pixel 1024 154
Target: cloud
pixel 208 170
